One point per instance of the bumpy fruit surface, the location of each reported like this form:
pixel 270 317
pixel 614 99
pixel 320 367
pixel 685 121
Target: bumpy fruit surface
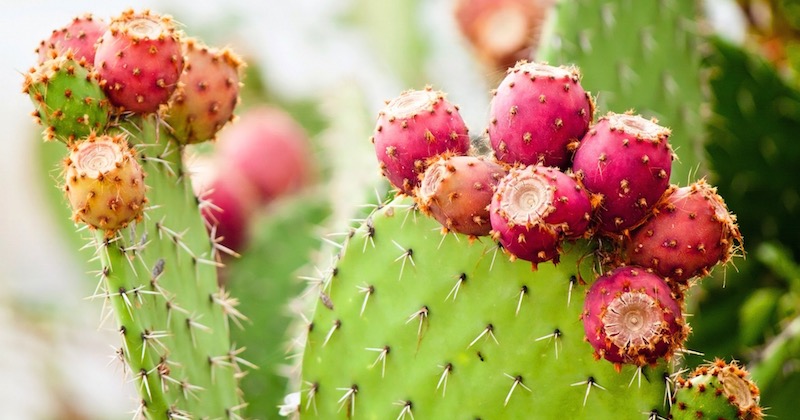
pixel 626 160
pixel 690 232
pixel 631 317
pixel 79 36
pixel 207 93
pixel 457 191
pixel 140 60
pixel 535 208
pixel 69 101
pixel 716 391
pixel 270 149
pixel 104 183
pixel 412 128
pixel 539 113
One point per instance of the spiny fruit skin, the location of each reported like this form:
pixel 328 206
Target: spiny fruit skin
pixel 104 183
pixel 630 316
pixel 715 391
pixel 207 93
pixel 69 101
pixel 538 114
pixel 140 60
pixel 79 36
pixel 534 209
pixel 270 149
pixel 411 129
pixel 626 161
pixel 690 231
pixel 457 191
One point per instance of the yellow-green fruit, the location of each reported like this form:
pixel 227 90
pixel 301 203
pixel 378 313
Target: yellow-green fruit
pixel 104 183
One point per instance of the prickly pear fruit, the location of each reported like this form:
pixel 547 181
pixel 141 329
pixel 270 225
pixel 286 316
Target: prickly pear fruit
pixel 626 160
pixel 270 149
pixel 412 128
pixel 539 113
pixel 104 183
pixel 631 317
pixel 207 93
pixel 457 191
pixel 139 58
pixel 535 208
pixel 501 32
pixel 690 231
pixel 79 36
pixel 718 390
pixel 69 101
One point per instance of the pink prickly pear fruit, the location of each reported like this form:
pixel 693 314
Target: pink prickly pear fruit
pixel 227 202
pixel 690 232
pixel 501 32
pixel 457 191
pixel 626 160
pixel 140 61
pixel 79 36
pixel 207 93
pixel 104 183
pixel 631 317
pixel 270 149
pixel 539 114
pixel 411 129
pixel 534 209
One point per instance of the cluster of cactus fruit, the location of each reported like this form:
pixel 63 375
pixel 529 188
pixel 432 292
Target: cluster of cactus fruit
pixel 580 201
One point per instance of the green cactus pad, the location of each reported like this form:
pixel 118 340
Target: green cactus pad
pixel 719 391
pixel 69 101
pixel 411 323
pixel 641 55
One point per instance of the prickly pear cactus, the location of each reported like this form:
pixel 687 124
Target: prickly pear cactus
pixel 414 323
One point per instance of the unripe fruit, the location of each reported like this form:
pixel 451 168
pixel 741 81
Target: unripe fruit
pixel 718 390
pixel 411 129
pixel 104 183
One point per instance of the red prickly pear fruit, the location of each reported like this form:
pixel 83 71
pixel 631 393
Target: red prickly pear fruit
pixel 139 59
pixel 270 149
pixel 501 32
pixel 534 209
pixel 79 36
pixel 457 191
pixel 626 161
pixel 207 93
pixel 227 202
pixel 411 129
pixel 104 183
pixel 631 317
pixel 690 232
pixel 539 114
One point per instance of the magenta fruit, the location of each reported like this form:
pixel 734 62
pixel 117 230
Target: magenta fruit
pixel 690 231
pixel 105 183
pixel 79 36
pixel 412 128
pixel 534 209
pixel 626 161
pixel 457 191
pixel 630 317
pixel 140 60
pixel 539 114
pixel 207 93
pixel 270 149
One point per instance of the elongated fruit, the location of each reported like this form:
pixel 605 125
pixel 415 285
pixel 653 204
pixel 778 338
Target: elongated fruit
pixel 140 60
pixel 717 390
pixel 534 209
pixel 412 128
pixel 631 317
pixel 626 160
pixel 690 232
pixel 105 183
pixel 457 191
pixel 79 36
pixel 539 114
